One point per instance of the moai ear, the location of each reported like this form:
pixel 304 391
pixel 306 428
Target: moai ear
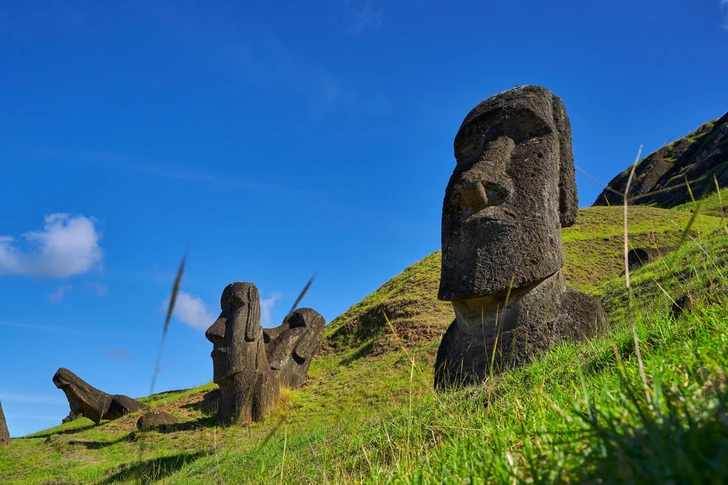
pixel 253 330
pixel 568 199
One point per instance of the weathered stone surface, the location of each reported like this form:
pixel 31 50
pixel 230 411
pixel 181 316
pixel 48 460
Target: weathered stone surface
pixel 291 346
pixel 683 304
pixel 92 403
pixel 248 387
pixel 659 178
pixel 511 192
pixel 155 419
pixel 640 256
pixel 4 434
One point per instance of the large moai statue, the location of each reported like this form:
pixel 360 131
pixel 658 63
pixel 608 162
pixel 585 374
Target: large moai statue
pixel 4 434
pixel 84 399
pixel 250 363
pixel 512 191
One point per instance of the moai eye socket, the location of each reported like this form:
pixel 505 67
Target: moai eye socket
pixel 458 202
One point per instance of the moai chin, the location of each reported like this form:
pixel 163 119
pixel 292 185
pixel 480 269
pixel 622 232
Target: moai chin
pixel 511 192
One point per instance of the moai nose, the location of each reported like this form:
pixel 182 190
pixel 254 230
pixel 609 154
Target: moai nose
pixel 470 194
pixel 216 332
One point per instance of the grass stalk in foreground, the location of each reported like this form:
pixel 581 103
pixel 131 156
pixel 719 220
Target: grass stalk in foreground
pixel 170 310
pixel 630 296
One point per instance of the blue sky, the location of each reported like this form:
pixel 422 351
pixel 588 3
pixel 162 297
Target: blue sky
pixel 277 140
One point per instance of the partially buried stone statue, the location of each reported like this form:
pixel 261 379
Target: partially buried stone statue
pixel 250 364
pixel 85 400
pixel 512 191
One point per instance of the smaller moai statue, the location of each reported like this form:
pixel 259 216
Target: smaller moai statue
pixel 250 364
pixel 291 346
pixel 248 387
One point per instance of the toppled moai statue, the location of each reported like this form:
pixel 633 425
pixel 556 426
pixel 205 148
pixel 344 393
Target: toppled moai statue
pixel 512 191
pixel 90 402
pixel 249 363
pixel 290 347
pixel 4 433
pixel 638 257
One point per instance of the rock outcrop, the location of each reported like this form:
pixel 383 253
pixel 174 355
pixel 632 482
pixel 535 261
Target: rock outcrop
pixel 155 420
pixel 90 402
pixel 511 192
pixel 660 178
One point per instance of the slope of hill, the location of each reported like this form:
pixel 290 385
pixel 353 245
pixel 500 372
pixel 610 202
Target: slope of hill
pixel 660 178
pixel 369 414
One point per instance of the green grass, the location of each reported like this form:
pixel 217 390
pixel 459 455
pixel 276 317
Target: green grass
pixel 369 415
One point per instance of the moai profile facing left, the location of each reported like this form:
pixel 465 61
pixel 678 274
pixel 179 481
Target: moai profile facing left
pixel 248 389
pixel 250 363
pixel 511 192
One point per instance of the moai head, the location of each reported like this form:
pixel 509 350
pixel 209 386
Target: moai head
pixel 512 191
pixel 236 330
pixel 291 346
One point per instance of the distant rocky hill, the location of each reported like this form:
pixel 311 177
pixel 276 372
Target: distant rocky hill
pixel 660 178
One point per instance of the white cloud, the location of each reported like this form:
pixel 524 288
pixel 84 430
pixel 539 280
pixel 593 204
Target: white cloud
pixel 368 17
pixel 190 309
pixel 266 308
pixel 723 5
pixel 56 296
pixel 98 288
pixel 66 246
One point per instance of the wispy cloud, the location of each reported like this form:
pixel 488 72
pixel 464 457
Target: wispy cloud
pixel 42 328
pixel 723 5
pixel 67 245
pixel 117 353
pixel 173 170
pixel 266 64
pixel 24 398
pixel 56 296
pixel 367 17
pixel 266 309
pixel 99 289
pixel 191 310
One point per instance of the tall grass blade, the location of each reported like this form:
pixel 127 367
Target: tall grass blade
pixel 627 283
pixel 170 310
pixel 686 231
pixel 720 203
pixel 303 293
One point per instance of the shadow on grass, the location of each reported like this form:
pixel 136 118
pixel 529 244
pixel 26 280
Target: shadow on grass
pixel 80 429
pixel 209 400
pixel 152 470
pixel 202 422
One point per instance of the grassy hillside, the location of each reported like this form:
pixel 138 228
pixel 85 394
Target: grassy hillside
pixel 699 158
pixel 368 413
